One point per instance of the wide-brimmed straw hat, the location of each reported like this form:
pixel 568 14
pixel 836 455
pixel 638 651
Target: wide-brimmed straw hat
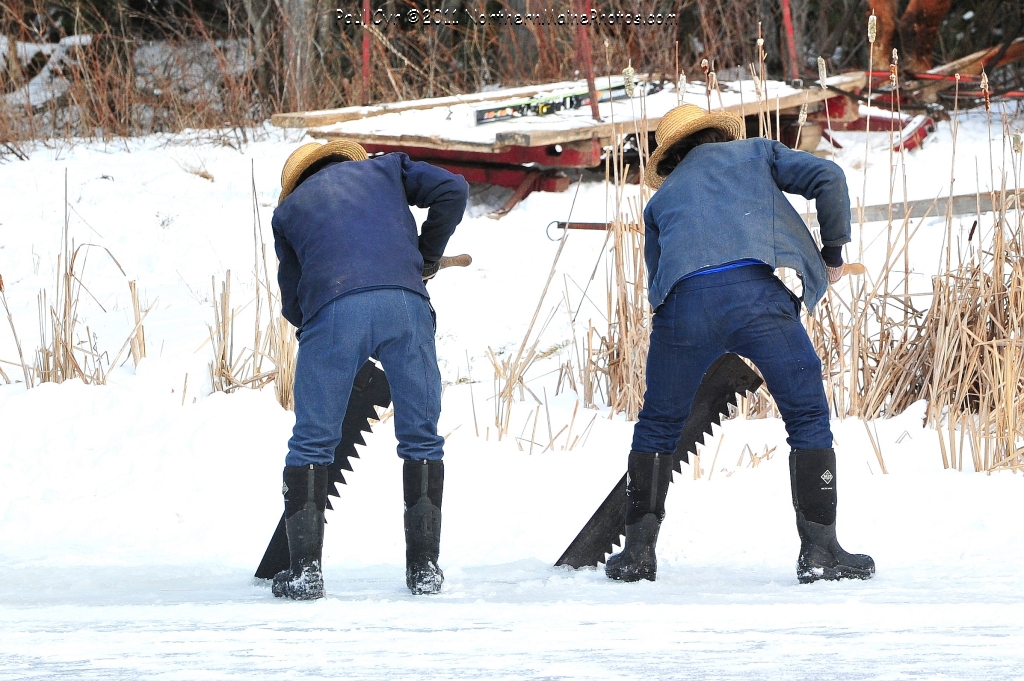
pixel 681 122
pixel 308 154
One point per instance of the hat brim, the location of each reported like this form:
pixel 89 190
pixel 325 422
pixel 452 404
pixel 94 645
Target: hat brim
pixel 310 154
pixel 730 124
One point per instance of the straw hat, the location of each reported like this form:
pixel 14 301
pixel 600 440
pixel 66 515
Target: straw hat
pixel 308 154
pixel 681 122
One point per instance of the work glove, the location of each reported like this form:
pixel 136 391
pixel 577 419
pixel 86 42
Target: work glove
pixel 833 257
pixel 430 268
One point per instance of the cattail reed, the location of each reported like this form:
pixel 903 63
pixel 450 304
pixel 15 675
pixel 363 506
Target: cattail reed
pixel 822 75
pixel 629 78
pixel 705 66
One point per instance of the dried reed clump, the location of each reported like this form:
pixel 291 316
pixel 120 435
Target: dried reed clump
pixel 966 357
pixel 284 349
pixel 65 353
pixel 625 348
pixel 274 348
pixel 271 355
pixel 606 366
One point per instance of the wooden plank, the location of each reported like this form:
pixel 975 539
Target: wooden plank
pixel 535 138
pixel 971 65
pixel 962 204
pixel 423 141
pixel 311 119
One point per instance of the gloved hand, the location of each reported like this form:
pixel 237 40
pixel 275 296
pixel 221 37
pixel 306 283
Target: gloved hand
pixel 430 268
pixel 833 257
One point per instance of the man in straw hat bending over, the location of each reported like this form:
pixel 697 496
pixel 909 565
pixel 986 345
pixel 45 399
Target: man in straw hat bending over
pixel 352 268
pixel 717 227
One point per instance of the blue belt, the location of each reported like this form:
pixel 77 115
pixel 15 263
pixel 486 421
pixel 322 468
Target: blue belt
pixel 745 262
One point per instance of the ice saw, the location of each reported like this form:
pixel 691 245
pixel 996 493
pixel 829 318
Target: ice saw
pixel 369 390
pixel 727 379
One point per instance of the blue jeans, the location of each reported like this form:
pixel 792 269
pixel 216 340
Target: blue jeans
pixel 748 311
pixel 397 327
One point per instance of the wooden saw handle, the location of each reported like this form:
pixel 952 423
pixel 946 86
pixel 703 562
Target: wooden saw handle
pixel 464 260
pixel 854 268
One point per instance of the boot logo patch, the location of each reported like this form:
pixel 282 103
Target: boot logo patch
pixel 827 477
pixel 284 488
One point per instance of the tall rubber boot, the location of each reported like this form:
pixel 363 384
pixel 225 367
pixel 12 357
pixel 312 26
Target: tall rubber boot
pixel 305 498
pixel 812 474
pixel 423 483
pixel 647 480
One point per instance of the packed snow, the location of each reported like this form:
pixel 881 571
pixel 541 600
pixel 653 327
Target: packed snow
pixel 133 514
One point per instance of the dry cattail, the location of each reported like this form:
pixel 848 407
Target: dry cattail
pixel 985 91
pixel 822 72
pixel 629 78
pixel 872 28
pixel 893 70
pixel 705 66
pixel 1 283
pixel 802 118
pixel 1018 144
pixel 757 82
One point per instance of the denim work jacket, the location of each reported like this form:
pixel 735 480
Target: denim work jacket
pixel 724 202
pixel 348 228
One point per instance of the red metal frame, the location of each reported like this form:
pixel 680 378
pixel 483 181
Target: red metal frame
pixel 509 176
pixel 912 131
pixel 836 110
pixel 575 155
pixel 913 135
pixel 524 169
pixel 787 23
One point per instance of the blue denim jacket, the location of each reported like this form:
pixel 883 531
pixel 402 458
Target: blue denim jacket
pixel 724 202
pixel 349 228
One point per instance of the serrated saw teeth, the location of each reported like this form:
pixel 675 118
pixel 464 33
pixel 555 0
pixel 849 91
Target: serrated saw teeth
pixel 370 385
pixel 721 386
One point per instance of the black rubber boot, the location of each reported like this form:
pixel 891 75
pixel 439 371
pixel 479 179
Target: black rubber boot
pixel 305 498
pixel 647 482
pixel 812 474
pixel 423 482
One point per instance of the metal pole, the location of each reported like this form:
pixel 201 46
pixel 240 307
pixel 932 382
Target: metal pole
pixel 787 22
pixel 366 53
pixel 583 40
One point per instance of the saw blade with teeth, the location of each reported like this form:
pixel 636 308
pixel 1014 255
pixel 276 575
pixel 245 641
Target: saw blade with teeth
pixel 727 379
pixel 369 390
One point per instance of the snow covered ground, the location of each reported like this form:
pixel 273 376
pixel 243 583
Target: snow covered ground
pixel 132 515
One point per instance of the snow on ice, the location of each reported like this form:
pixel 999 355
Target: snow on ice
pixel 132 515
